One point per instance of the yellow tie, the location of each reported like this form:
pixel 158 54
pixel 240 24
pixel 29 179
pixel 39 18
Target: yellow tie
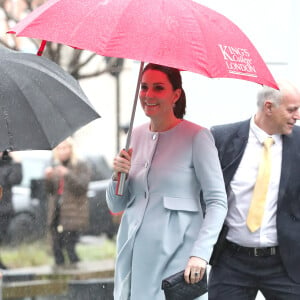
pixel 257 206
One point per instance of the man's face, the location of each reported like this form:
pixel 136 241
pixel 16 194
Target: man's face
pixel 285 115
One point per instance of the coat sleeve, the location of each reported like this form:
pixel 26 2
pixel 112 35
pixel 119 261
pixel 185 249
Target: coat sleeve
pixel 209 174
pixel 115 202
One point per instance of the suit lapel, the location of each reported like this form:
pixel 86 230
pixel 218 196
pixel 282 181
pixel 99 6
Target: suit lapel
pixel 233 153
pixel 287 152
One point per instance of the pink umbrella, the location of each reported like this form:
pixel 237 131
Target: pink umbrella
pixel 178 33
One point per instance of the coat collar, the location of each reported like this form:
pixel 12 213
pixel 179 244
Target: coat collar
pixel 234 150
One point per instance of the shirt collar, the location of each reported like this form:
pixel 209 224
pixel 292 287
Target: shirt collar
pixel 262 135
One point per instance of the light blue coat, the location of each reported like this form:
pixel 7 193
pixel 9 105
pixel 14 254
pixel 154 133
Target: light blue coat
pixel 163 225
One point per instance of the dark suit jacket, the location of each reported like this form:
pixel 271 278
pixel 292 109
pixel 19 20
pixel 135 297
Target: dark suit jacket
pixel 231 140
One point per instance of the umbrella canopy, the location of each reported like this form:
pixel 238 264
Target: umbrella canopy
pixel 178 33
pixel 40 103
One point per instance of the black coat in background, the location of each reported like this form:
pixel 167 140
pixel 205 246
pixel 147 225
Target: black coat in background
pixel 10 175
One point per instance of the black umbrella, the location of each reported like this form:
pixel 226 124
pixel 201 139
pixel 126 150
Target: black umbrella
pixel 40 103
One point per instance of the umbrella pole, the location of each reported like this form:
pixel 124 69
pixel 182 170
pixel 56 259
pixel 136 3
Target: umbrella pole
pixel 122 176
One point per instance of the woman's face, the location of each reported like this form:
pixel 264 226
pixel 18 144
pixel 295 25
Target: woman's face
pixel 157 95
pixel 63 151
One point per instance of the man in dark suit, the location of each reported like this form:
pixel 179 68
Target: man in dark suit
pixel 266 257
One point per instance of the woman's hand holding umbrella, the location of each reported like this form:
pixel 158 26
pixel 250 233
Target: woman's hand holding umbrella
pixel 122 163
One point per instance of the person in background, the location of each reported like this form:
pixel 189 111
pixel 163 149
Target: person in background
pixel 10 175
pixel 171 161
pixel 66 184
pixel 262 247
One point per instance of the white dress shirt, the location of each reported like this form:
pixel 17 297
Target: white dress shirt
pixel 241 190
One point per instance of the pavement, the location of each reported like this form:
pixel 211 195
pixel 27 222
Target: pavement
pixel 51 282
pixel 91 239
pixel 82 266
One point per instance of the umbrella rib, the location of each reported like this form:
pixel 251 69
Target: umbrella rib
pixel 40 103
pixel 56 111
pixel 200 26
pixel 112 33
pixel 5 112
pixel 29 105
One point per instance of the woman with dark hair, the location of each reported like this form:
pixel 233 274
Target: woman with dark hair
pixel 171 161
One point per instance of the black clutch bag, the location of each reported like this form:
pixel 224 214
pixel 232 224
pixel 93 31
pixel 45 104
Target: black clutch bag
pixel 176 288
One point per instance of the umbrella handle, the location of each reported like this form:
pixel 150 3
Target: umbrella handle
pixel 122 176
pixel 120 184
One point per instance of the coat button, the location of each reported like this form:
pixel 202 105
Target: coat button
pixel 146 164
pixel 154 136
